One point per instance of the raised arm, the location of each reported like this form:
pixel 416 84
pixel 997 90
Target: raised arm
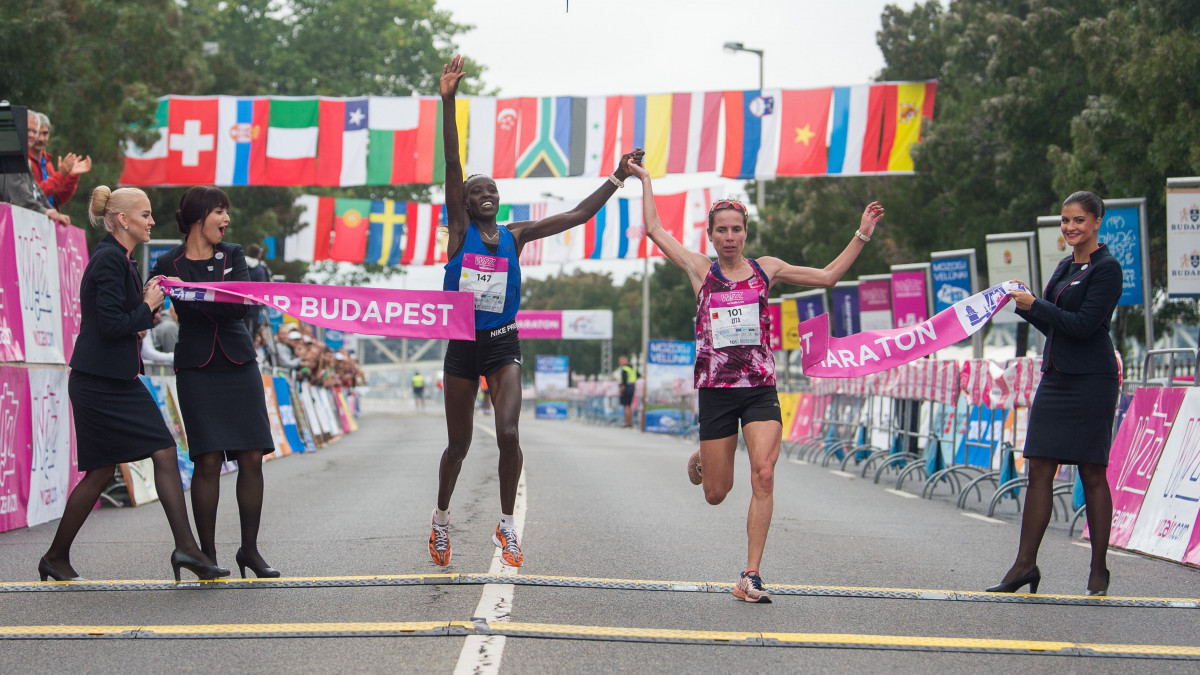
pixel 457 218
pixel 780 271
pixel 695 264
pixel 530 230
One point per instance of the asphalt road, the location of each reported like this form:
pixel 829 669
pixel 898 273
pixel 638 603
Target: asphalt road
pixel 599 503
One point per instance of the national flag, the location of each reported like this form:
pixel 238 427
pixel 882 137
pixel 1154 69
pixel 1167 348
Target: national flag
pixel 242 141
pixel 481 136
pixel 694 119
pixel 420 239
pixel 914 104
pixel 516 127
pixel 292 141
pixel 300 244
pixel 149 167
pixel 600 135
pixel 531 252
pixel 744 113
pixel 848 122
pixel 615 231
pixel 564 247
pixel 342 142
pixel 880 133
pixel 547 155
pixel 672 213
pixel 386 240
pixel 350 230
pixel 803 120
pixel 657 133
pixel 192 141
pixel 699 201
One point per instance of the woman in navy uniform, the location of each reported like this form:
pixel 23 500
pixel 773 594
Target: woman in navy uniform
pixel 484 259
pixel 116 419
pixel 1071 419
pixel 220 387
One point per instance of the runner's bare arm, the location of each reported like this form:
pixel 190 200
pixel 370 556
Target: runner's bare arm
pixel 457 219
pixel 695 264
pixel 530 230
pixel 779 271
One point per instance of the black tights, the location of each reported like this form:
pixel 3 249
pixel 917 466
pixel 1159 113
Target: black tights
pixel 83 498
pixel 1039 504
pixel 206 492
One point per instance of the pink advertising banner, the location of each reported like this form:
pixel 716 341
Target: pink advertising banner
pixel 1135 452
pixel 15 447
pixel 50 468
pixel 537 324
pixel 875 305
pixel 12 329
pixel 72 259
pixel 1166 524
pixel 802 422
pixel 775 312
pixel 910 301
pixel 369 311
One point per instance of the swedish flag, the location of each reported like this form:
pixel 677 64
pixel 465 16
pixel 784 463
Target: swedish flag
pixel 386 240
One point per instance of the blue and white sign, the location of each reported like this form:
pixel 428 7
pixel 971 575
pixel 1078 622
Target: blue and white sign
pixel 551 381
pixel 951 281
pixel 670 375
pixel 334 338
pixel 845 311
pixel 1121 232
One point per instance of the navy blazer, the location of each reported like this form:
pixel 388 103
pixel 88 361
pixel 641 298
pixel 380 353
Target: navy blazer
pixel 112 314
pixel 1076 321
pixel 205 327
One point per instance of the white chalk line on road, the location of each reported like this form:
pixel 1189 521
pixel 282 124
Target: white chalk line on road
pixel 984 518
pixel 900 493
pixel 1111 550
pixel 481 654
pixel 843 474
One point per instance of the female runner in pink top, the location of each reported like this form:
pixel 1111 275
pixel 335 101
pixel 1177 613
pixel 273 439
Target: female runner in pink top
pixel 735 371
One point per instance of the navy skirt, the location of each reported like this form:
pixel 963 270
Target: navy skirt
pixel 115 420
pixel 224 407
pixel 1071 419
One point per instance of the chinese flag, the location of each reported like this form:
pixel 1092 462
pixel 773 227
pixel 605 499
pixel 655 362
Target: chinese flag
pixel 804 117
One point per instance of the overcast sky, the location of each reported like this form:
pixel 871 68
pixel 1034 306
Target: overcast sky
pixel 607 47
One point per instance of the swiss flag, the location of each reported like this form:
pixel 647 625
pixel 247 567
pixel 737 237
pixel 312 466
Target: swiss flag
pixel 192 141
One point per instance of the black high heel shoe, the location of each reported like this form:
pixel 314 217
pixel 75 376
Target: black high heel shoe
pixel 46 570
pixel 1033 577
pixel 243 561
pixel 202 571
pixel 1103 591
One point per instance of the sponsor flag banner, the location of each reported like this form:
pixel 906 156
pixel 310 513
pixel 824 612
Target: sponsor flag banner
pixel 72 259
pixel 845 309
pixel 38 286
pixel 874 351
pixel 15 447
pixel 670 368
pixel 951 281
pixel 50 457
pixel 1166 525
pixel 368 311
pixel 910 304
pixel 875 304
pixel 287 414
pixel 1121 231
pixel 1135 453
pixel 12 329
pixel 278 435
pixel 1183 242
pixel 587 324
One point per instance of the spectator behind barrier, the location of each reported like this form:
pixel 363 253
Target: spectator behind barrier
pixel 20 188
pixel 166 332
pixel 58 185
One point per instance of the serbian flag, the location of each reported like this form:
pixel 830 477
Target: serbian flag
pixel 192 141
pixel 292 141
pixel 693 143
pixel 242 143
pixel 342 142
pixel 744 113
pixel 386 239
pixel 803 119
pixel 350 230
pixel 149 167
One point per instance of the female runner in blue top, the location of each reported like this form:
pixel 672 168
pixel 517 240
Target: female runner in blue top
pixel 484 259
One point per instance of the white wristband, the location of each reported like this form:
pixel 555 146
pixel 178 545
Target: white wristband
pixel 612 178
pixel 860 235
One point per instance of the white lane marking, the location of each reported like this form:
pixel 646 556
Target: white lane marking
pixel 481 654
pixel 901 493
pixel 1111 550
pixel 797 461
pixel 984 518
pixel 843 474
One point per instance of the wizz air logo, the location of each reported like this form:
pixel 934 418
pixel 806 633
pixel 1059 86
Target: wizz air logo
pixel 70 274
pixel 1184 479
pixel 45 409
pixel 1144 451
pixel 40 297
pixel 10 409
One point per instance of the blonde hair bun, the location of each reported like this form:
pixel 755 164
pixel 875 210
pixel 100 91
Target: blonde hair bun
pixel 98 205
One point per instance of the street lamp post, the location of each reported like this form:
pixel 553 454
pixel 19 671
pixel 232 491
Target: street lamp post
pixel 739 47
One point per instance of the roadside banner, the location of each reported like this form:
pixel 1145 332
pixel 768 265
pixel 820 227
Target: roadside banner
pixel 551 381
pixel 16 447
pixel 669 383
pixel 50 469
pixel 1166 523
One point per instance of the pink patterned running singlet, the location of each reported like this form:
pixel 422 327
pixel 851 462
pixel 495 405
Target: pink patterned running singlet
pixel 733 331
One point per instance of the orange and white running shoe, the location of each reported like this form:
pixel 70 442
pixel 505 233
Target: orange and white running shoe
pixel 695 473
pixel 510 548
pixel 439 544
pixel 750 588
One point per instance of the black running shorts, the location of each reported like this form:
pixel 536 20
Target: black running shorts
pixel 722 407
pixel 627 391
pixel 492 350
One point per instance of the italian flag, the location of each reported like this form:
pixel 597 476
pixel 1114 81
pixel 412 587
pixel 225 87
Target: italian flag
pixel 292 142
pixel 148 167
